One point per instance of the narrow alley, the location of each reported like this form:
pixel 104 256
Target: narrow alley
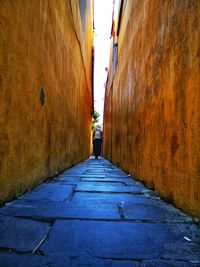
pixel 114 79
pixel 94 214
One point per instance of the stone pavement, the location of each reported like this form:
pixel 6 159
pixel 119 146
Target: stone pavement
pixel 95 215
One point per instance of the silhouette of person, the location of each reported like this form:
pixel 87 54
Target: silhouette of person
pixel 97 141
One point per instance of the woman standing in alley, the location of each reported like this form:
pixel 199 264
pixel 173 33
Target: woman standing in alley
pixel 97 141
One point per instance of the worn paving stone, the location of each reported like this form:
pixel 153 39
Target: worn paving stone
pixel 30 260
pixel 120 240
pixel 107 188
pixel 93 176
pixel 50 211
pixel 67 180
pixel 78 171
pixel 116 172
pixel 93 197
pixel 21 260
pixel 20 234
pixel 79 176
pixel 48 191
pixel 96 215
pixel 91 263
pixel 166 263
pixel 101 182
pixel 72 174
pixel 153 211
pixel 96 172
pixel 124 181
pixel 117 175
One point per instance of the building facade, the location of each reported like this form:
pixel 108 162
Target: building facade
pixel 45 90
pixel 152 114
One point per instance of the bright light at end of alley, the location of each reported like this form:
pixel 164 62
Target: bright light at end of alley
pixel 103 10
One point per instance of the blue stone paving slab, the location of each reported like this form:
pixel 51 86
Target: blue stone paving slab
pixel 153 211
pixel 32 260
pixel 165 263
pixel 90 263
pixel 15 260
pixel 136 207
pixel 107 188
pixel 80 176
pixel 65 180
pixel 94 176
pixel 101 183
pixel 124 181
pixel 63 210
pixel 72 173
pixel 93 197
pixel 115 175
pixel 48 191
pixel 22 260
pixel 95 173
pixel 96 215
pixel 20 234
pixel 115 263
pixel 121 240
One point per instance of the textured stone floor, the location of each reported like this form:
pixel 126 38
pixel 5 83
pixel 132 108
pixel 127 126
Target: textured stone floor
pixel 95 215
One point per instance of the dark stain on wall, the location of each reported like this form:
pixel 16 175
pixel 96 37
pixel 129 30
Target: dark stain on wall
pixel 42 96
pixel 174 144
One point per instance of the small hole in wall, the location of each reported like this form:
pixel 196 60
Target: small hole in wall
pixel 42 96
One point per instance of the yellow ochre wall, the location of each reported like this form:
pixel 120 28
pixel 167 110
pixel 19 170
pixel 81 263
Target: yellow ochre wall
pixel 152 108
pixel 43 50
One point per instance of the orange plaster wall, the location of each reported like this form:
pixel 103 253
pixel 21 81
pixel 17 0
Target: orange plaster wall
pixel 39 48
pixel 152 114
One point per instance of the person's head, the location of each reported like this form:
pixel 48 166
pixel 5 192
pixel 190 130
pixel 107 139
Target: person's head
pixel 98 127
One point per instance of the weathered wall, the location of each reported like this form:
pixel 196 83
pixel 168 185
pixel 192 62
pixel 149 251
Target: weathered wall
pixel 152 114
pixel 42 45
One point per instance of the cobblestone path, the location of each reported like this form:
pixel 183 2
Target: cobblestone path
pixel 95 215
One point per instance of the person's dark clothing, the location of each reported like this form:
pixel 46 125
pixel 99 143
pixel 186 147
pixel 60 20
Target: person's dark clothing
pixel 97 142
pixel 97 147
